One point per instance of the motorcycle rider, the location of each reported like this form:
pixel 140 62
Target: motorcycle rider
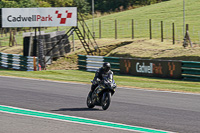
pixel 104 71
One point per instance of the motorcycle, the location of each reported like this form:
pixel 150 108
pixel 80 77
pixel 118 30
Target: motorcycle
pixel 101 96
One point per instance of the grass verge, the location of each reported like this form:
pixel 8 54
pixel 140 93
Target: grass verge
pixel 121 80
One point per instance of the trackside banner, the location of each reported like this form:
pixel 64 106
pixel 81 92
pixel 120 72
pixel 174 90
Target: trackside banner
pixel 39 17
pixel 152 68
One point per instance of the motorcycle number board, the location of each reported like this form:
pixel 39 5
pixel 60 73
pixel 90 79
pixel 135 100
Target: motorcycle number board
pixel 39 17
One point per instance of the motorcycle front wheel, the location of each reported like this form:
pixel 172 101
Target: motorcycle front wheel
pixel 89 102
pixel 105 101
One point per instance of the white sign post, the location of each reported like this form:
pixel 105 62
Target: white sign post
pixel 39 17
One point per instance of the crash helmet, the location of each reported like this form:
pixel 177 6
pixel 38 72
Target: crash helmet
pixel 106 66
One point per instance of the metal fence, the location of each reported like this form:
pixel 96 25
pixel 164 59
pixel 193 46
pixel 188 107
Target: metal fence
pixel 146 28
pixel 116 29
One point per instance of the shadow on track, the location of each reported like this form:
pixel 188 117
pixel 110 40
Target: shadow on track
pixel 76 109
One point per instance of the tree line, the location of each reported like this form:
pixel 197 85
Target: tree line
pixel 118 5
pixel 84 6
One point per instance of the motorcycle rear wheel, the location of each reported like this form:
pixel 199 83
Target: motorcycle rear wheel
pixel 89 102
pixel 105 101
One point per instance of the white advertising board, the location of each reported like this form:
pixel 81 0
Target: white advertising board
pixel 39 17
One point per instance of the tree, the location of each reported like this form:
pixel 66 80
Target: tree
pixel 113 5
pixel 82 5
pixel 60 3
pixel 27 3
pixel 8 4
pixel 44 4
pixel 63 3
pixel 17 3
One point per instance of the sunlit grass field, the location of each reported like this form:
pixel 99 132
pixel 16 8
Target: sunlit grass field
pixel 121 80
pixel 169 12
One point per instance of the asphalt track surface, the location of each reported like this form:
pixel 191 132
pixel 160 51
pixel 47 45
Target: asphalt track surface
pixel 176 112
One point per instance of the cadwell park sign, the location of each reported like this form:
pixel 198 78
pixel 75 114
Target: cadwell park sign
pixel 38 17
pixel 152 68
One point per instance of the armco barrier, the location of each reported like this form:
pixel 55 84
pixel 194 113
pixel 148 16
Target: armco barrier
pixel 18 62
pixel 93 63
pixel 186 70
pixel 191 70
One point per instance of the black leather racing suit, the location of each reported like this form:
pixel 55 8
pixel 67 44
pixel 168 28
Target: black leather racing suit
pixel 100 74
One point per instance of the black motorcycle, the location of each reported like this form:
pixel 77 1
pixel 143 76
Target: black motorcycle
pixel 101 96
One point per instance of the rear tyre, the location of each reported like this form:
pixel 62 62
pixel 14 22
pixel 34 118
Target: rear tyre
pixel 105 101
pixel 89 102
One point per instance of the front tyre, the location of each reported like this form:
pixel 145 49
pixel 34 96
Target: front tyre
pixel 89 102
pixel 105 101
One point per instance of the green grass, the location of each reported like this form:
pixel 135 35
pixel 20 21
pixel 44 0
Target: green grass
pixel 168 12
pixel 123 80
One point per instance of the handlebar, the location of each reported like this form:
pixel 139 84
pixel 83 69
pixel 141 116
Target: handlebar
pixel 105 82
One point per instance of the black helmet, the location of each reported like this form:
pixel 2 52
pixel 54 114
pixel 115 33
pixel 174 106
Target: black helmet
pixel 106 66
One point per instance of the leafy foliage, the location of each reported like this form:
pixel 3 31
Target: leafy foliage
pixel 84 6
pixel 8 4
pixel 27 3
pixel 115 5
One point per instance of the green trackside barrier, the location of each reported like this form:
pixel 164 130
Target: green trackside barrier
pixel 18 62
pixel 82 62
pixel 93 63
pixel 82 57
pixel 191 64
pixel 191 70
pixel 112 59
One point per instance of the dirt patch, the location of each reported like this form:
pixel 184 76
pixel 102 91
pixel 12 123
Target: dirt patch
pixel 152 49
pixel 137 48
pixel 12 50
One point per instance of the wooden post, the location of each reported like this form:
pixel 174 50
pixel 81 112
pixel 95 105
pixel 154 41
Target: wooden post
pixel 35 43
pixel 115 29
pixel 99 29
pixel 84 31
pixel 187 27
pixel 34 64
pixel 5 32
pixel 187 37
pixel 10 40
pixel 1 32
pixel 161 31
pixel 173 33
pixel 132 28
pixel 13 41
pixel 150 29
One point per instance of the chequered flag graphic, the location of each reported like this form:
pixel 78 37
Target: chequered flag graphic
pixel 63 19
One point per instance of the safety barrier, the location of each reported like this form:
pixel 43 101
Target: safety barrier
pixel 93 63
pixel 191 70
pixel 18 62
pixel 186 70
